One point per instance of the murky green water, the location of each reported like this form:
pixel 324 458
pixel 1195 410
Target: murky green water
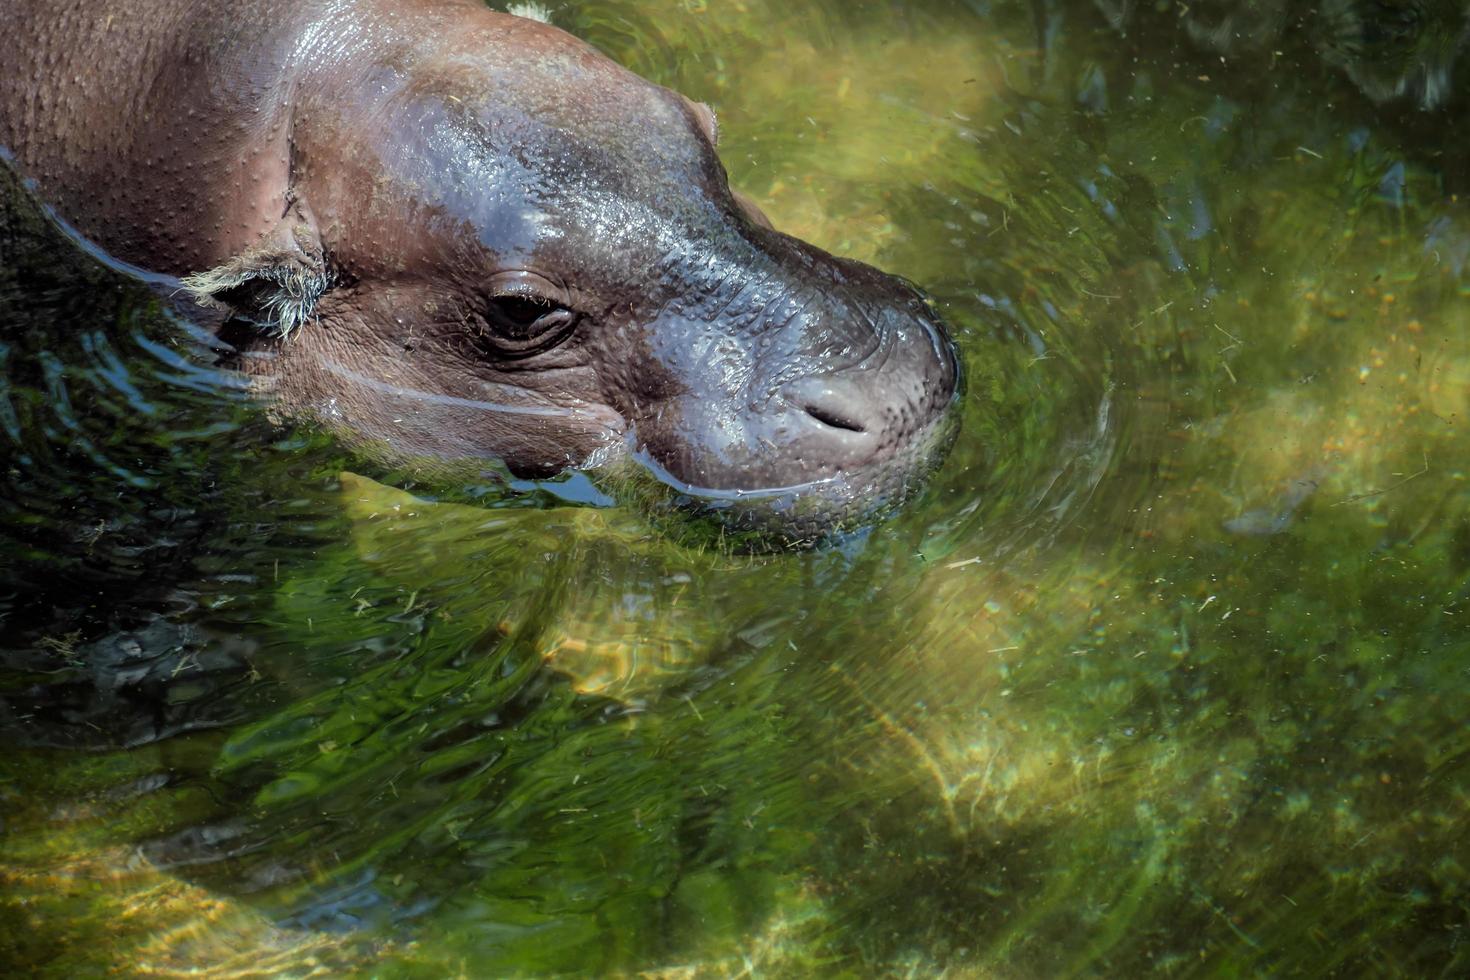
pixel 1167 673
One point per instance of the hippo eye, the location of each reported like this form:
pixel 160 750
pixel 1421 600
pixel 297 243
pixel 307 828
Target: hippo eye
pixel 519 318
pixel 526 314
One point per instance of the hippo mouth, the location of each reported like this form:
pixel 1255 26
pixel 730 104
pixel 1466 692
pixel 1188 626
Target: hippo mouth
pixel 800 515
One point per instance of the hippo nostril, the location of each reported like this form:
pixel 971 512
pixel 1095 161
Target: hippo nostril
pixel 843 412
pixel 830 418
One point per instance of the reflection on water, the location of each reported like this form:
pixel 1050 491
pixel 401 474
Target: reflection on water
pixel 1165 672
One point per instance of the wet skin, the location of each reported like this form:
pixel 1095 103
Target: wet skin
pixel 456 234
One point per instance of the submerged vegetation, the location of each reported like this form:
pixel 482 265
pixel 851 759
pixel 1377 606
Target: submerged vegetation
pixel 1165 672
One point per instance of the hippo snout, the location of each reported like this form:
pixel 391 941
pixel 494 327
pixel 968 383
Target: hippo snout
pixel 841 419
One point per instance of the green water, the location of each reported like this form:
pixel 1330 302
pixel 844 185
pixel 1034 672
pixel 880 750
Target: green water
pixel 1167 672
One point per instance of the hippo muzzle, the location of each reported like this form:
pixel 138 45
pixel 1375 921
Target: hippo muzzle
pixel 813 410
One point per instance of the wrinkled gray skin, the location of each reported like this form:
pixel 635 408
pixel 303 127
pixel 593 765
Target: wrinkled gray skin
pixel 461 234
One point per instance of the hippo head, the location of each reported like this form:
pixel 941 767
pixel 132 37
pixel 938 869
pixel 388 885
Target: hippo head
pixel 500 244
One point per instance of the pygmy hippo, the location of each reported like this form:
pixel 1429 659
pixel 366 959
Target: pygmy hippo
pixel 457 234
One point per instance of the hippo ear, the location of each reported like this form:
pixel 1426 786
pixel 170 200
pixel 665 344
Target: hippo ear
pixel 275 282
